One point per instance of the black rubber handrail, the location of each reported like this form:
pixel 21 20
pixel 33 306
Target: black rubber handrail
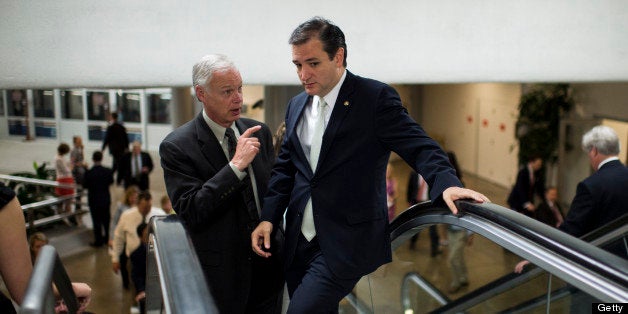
pixel 174 277
pixel 586 256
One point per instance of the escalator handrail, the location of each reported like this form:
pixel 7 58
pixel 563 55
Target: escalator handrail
pixel 553 239
pixel 39 297
pixel 174 273
pixel 578 252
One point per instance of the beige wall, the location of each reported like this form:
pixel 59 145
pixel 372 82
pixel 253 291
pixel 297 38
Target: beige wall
pixel 476 121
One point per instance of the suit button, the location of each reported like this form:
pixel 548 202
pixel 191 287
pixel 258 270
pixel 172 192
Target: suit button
pixel 313 184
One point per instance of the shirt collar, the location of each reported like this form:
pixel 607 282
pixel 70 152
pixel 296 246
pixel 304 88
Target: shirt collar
pixel 607 160
pixel 331 97
pixel 217 129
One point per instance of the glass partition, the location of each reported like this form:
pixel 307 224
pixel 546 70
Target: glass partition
pixel 98 107
pixel 17 103
pixel 2 102
pixel 128 106
pixel 72 104
pixel 159 107
pixel 43 104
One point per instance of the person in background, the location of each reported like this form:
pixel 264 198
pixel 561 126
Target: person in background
pixel 35 242
pixel 138 267
pixel 166 205
pixel 458 239
pixel 63 171
pixel 391 192
pixel 16 265
pixel 279 137
pixel 130 200
pixel 529 183
pixel 97 180
pixel 117 139
pixel 77 158
pixel 134 168
pixel 330 176
pixel 601 197
pixel 417 192
pixel 125 238
pixel 549 211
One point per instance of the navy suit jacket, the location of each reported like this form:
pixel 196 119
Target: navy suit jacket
pixel 523 192
pixel 97 181
pixel 208 197
pixel 600 199
pixel 348 189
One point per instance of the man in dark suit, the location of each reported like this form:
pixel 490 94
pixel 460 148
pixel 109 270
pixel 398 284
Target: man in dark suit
pixel 602 197
pixel 135 166
pixel 549 211
pixel 117 139
pixel 529 183
pixel 97 181
pixel 330 173
pixel 215 182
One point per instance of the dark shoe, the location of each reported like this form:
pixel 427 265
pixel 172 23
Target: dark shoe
pixel 95 244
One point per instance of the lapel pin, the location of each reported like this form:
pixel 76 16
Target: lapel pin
pixel 346 103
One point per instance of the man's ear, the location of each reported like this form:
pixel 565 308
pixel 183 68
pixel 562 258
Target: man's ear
pixel 339 57
pixel 200 93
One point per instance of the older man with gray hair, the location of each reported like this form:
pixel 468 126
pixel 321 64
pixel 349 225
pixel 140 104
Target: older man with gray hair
pixel 602 197
pixel 216 168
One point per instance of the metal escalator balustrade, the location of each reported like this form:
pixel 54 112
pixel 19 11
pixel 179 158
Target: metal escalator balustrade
pixel 175 281
pixel 580 264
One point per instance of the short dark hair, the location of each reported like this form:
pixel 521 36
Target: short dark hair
pixel 63 148
pixel 97 156
pixel 114 115
pixel 144 195
pixel 329 34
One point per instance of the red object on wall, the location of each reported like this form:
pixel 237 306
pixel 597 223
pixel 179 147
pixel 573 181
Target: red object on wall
pixel 470 119
pixel 502 127
pixel 485 123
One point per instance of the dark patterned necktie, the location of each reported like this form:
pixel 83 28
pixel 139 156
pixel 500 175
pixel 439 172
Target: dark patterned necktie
pixel 231 142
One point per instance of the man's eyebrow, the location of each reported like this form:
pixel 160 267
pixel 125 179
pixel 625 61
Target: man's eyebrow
pixel 306 61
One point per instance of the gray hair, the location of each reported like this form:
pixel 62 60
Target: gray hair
pixel 603 138
pixel 204 69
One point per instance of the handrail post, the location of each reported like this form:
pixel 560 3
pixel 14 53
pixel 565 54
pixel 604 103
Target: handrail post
pixel 153 292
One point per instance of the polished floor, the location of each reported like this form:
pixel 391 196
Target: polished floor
pixel 488 261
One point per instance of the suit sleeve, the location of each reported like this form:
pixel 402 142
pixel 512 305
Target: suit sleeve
pixel 280 184
pixel 148 162
pixel 581 213
pixel 401 134
pixel 195 200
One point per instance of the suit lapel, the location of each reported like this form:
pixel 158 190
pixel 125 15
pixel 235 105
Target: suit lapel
pixel 295 116
pixel 341 109
pixel 209 144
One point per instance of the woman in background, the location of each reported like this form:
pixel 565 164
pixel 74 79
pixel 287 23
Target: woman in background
pixel 63 170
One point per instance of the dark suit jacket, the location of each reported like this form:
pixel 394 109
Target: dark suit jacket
pixel 125 172
pixel 600 199
pixel 544 213
pixel 117 139
pixel 97 181
pixel 349 187
pixel 208 197
pixel 523 192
